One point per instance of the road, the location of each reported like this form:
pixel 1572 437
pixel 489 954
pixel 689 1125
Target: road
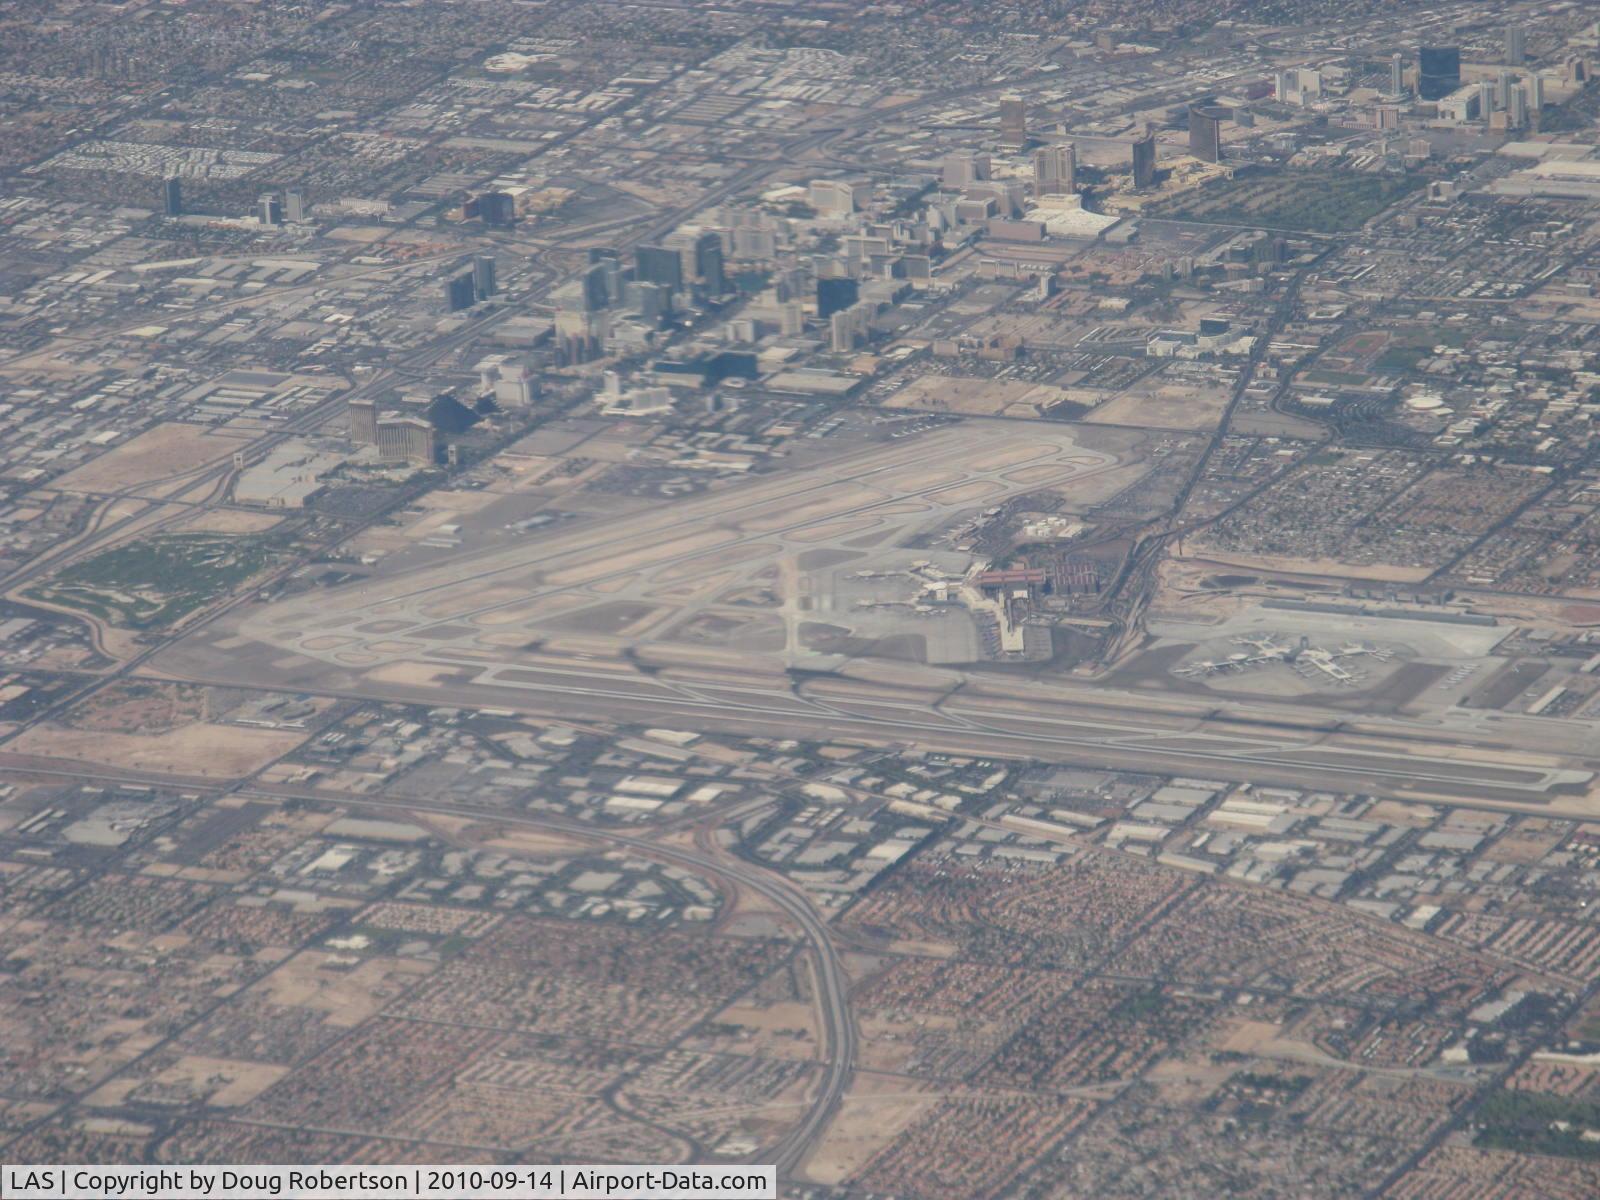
pixel 838 1024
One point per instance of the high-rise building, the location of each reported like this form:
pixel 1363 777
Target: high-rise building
pixel 963 169
pixel 708 263
pixel 1055 170
pixel 516 386
pixel 407 439
pixel 1438 71
pixel 791 318
pixel 1308 82
pixel 1205 133
pixel 483 281
pixel 1517 109
pixel 1397 74
pixel 658 264
pixel 596 286
pixel 269 209
pixel 652 301
pixel 1488 97
pixel 1516 45
pixel 294 205
pixel 580 336
pixel 837 197
pixel 1293 85
pixel 835 295
pixel 497 208
pixel 616 282
pixel 849 327
pixel 460 291
pixel 754 242
pixel 1535 87
pixel 842 331
pixel 172 196
pixel 1013 124
pixel 1144 160
pixel 1008 196
pixel 362 412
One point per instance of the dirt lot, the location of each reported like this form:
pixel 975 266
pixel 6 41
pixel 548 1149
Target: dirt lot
pixel 201 750
pixel 976 397
pixel 229 520
pixel 165 450
pixel 348 997
pixel 873 1113
pixel 1166 407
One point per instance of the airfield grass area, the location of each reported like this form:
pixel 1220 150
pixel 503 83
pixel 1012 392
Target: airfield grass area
pixel 1314 201
pixel 145 584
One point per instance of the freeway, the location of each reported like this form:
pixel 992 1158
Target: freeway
pixel 839 1034
pixel 838 1025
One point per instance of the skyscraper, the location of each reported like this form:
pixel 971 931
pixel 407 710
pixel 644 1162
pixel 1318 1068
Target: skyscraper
pixel 1438 71
pixel 963 168
pixel 172 196
pixel 1397 75
pixel 652 301
pixel 836 295
pixel 483 282
pixel 1055 170
pixel 1205 133
pixel 1517 109
pixel 837 197
pixel 407 439
pixel 596 287
pixel 269 209
pixel 708 263
pixel 1516 45
pixel 363 415
pixel 460 291
pixel 516 387
pixel 1144 159
pixel 294 205
pixel 497 208
pixel 658 264
pixel 1013 124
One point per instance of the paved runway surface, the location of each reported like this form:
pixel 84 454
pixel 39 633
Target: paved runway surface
pixel 586 620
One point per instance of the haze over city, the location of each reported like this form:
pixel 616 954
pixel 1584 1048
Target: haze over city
pixel 962 600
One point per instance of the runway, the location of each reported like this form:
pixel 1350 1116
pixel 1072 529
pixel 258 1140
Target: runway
pixel 980 715
pixel 734 567
pixel 694 615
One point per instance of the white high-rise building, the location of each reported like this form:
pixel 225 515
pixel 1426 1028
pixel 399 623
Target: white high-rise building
pixel 959 170
pixel 1517 109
